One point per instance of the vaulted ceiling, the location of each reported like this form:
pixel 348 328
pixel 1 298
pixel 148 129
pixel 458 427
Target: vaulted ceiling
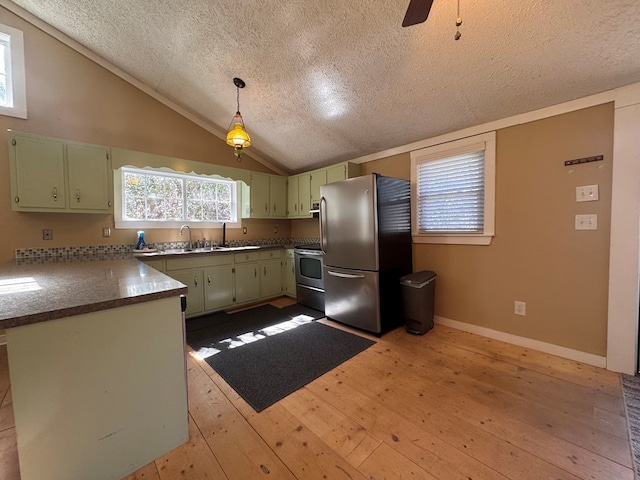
pixel 333 80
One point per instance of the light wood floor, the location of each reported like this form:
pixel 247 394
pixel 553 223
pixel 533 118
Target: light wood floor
pixel 447 405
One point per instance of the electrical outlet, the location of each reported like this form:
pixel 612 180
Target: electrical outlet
pixel 244 230
pixel 587 193
pixel 47 234
pixel 587 222
pixel 275 229
pixel 520 308
pixel 106 232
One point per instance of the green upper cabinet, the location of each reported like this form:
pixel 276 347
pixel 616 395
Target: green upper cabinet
pixel 343 171
pixel 49 175
pixel 37 174
pixel 318 178
pixel 304 188
pixel 89 175
pixel 267 196
pixel 299 196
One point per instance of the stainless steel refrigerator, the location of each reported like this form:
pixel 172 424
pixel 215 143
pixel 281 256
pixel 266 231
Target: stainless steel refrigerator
pixel 365 234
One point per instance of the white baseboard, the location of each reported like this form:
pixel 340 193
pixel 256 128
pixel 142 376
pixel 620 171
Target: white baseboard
pixel 564 352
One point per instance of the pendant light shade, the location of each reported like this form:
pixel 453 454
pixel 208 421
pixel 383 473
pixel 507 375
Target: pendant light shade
pixel 238 137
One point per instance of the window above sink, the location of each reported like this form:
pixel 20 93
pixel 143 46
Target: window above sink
pixel 163 198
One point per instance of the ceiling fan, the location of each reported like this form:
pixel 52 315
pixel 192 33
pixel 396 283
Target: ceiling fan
pixel 417 12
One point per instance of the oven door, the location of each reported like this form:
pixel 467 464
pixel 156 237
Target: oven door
pixel 309 269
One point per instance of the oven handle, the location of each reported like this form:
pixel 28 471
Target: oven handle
pixel 345 275
pixel 308 253
pixel 323 242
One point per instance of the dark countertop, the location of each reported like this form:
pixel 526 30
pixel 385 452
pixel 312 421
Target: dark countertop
pixel 38 292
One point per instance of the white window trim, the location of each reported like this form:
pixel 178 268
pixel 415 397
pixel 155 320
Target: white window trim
pixel 18 76
pixel 148 225
pixel 486 141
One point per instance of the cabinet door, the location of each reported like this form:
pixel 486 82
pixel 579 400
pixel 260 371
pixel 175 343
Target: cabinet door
pixel 336 173
pixel 271 281
pixel 289 274
pixel 247 282
pixel 278 196
pixel 318 179
pixel 218 287
pixel 259 195
pixel 292 197
pixel 304 196
pixel 38 174
pixel 193 280
pixel 89 176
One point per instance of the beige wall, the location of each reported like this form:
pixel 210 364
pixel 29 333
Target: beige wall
pixel 536 256
pixel 71 97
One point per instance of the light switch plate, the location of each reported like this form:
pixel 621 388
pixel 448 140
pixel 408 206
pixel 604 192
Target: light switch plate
pixel 587 222
pixel 587 193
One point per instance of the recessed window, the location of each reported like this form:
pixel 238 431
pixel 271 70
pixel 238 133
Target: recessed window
pixel 148 198
pixel 453 189
pixel 12 75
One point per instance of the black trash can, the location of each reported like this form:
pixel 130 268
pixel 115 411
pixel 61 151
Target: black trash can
pixel 418 298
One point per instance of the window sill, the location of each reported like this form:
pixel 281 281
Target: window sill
pixel 453 239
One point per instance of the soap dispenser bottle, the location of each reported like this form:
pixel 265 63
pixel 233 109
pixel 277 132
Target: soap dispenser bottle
pixel 140 244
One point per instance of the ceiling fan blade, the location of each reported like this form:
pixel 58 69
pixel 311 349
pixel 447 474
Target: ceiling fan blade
pixel 417 12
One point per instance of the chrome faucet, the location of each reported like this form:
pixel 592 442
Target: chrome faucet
pixel 189 245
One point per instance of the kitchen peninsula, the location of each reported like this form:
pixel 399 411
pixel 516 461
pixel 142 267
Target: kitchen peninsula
pixel 97 366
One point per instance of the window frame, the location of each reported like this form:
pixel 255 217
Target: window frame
pixel 486 142
pixel 16 77
pixel 121 223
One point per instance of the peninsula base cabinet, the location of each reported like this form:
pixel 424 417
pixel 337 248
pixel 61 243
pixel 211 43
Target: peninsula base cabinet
pixel 219 281
pixel 86 400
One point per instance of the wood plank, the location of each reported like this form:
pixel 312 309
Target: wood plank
pixel 438 401
pixel 390 464
pixel 569 370
pixel 306 455
pixel 241 452
pixel 193 460
pixel 148 472
pixel 9 466
pixel 406 436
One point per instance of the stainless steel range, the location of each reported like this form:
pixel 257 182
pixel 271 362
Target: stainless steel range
pixel 309 277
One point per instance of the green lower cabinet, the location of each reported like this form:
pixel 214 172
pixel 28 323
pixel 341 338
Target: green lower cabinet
pixel 289 274
pixel 247 282
pixel 271 281
pixel 218 287
pixel 193 280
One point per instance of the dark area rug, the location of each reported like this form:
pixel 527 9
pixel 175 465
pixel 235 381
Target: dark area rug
pixel 631 392
pixel 266 353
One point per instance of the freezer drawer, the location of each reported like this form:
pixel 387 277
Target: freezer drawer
pixel 352 297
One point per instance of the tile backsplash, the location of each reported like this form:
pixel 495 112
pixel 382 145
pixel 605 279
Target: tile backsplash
pixel 123 251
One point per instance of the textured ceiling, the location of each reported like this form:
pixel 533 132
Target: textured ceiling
pixel 333 80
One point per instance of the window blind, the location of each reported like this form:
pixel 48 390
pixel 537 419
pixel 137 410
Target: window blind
pixel 450 194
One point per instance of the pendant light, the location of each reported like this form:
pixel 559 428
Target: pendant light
pixel 238 137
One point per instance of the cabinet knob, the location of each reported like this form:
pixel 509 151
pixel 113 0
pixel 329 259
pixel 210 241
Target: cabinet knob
pixel 55 194
pixel 255 273
pixel 195 281
pixel 78 195
pixel 209 279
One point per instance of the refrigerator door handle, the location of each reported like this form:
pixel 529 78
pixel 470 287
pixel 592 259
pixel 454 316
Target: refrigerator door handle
pixel 323 213
pixel 344 275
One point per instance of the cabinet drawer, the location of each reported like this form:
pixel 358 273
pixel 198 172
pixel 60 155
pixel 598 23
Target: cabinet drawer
pixel 243 257
pixel 269 254
pixel 196 260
